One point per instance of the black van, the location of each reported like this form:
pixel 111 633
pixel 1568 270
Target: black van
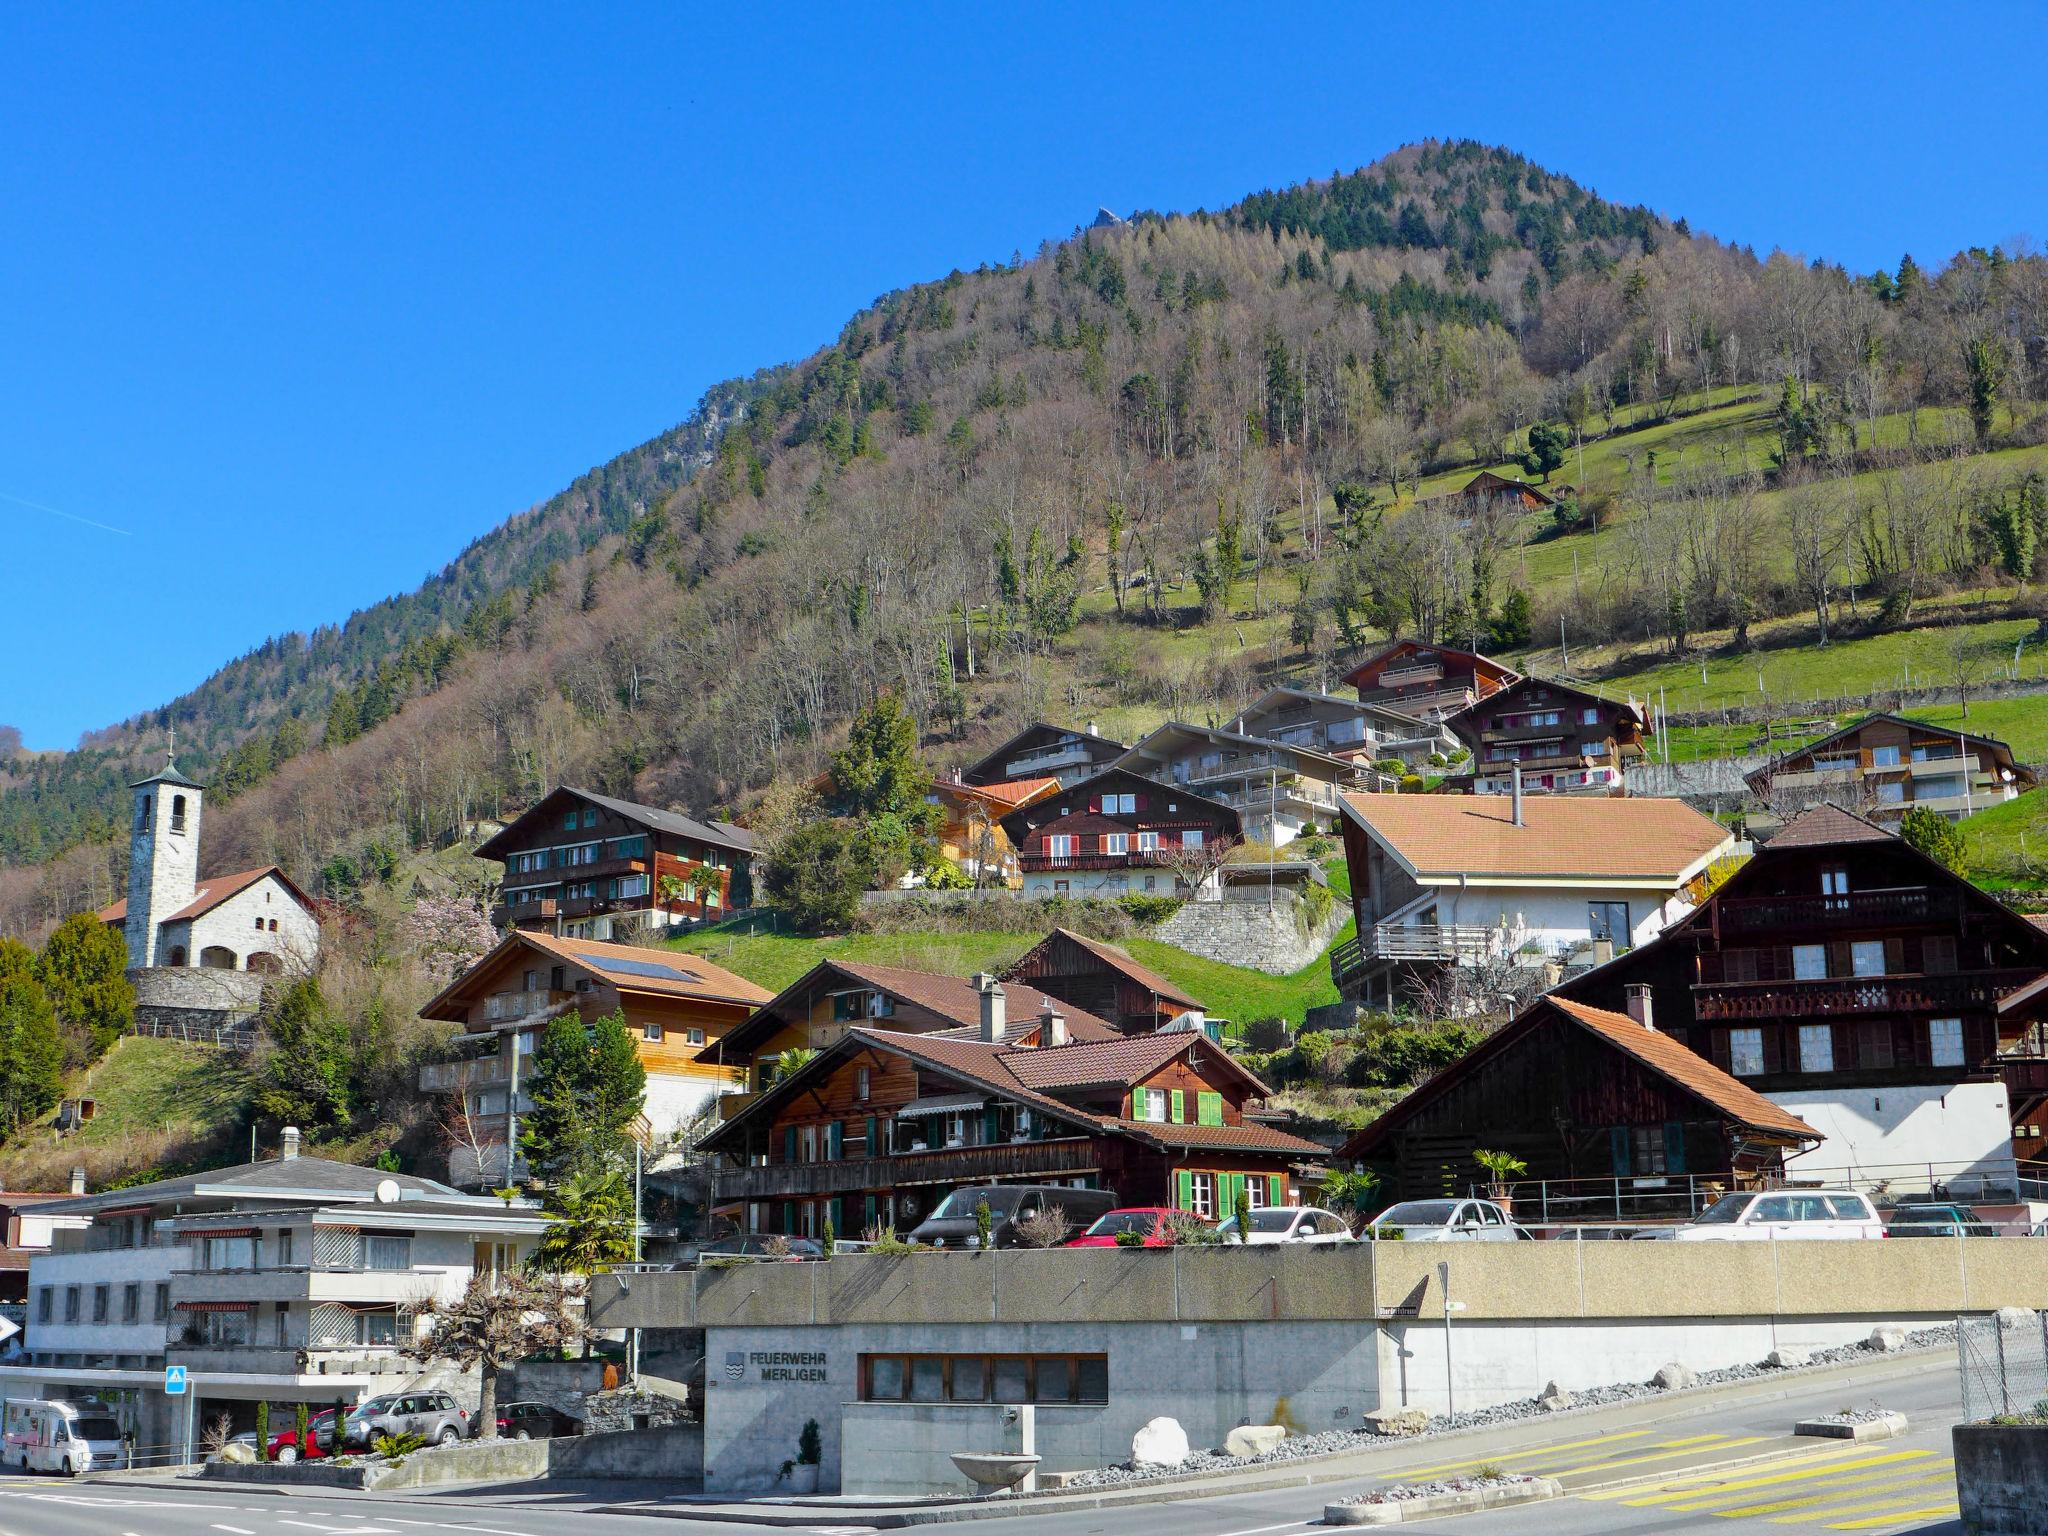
pixel 951 1224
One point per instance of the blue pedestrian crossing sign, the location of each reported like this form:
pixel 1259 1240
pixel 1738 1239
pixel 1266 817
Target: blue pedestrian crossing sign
pixel 174 1380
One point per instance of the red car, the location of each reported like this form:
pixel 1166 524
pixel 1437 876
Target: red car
pixel 284 1445
pixel 1148 1221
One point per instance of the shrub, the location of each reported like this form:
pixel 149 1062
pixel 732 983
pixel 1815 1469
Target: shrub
pixel 1394 1058
pixel 263 1431
pixel 809 1452
pixel 1148 911
pixel 1128 1239
pixel 395 1448
pixel 1045 1228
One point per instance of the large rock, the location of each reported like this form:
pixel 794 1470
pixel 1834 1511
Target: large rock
pixel 1787 1358
pixel 237 1453
pixel 1253 1439
pixel 1397 1421
pixel 1161 1443
pixel 1675 1378
pixel 1555 1399
pixel 1888 1340
pixel 2010 1318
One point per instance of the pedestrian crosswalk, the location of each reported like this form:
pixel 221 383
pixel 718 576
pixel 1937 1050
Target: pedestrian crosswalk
pixel 1622 1455
pixel 1838 1488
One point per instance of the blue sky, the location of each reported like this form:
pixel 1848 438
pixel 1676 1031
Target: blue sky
pixel 304 300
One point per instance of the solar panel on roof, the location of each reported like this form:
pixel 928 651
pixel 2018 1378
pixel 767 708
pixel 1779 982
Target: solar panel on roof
pixel 653 968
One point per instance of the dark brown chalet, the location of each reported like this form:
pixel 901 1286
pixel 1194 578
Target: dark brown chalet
pixel 585 865
pixel 1116 834
pixel 1086 973
pixel 1594 1102
pixel 1862 985
pixel 1489 489
pixel 1566 740
pixel 881 1126
pixel 1886 764
pixel 1428 682
pixel 1042 751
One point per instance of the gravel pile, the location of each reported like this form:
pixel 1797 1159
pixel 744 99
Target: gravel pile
pixel 1336 1441
pixel 1402 1492
pixel 1852 1416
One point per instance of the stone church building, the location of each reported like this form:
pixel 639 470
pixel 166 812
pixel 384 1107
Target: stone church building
pixel 199 950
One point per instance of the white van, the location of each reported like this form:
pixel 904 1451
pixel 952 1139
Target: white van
pixel 46 1435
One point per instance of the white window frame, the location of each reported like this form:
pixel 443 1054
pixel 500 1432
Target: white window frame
pixel 1202 1195
pixel 1153 1107
pixel 1059 845
pixel 1746 1052
pixel 1191 837
pixel 651 1032
pixel 1866 958
pixel 1809 962
pixel 1148 842
pixel 1945 1043
pixel 1116 843
pixel 1816 1048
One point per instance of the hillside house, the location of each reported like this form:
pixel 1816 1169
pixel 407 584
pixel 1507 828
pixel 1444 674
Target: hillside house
pixel 833 996
pixel 1085 973
pixel 971 835
pixel 1429 682
pixel 1342 728
pixel 588 866
pixel 1863 987
pixel 1444 880
pixel 1564 740
pixel 675 1005
pixel 1495 490
pixel 883 1124
pixel 252 920
pixel 1279 790
pixel 1117 834
pixel 1884 765
pixel 293 1279
pixel 1614 1114
pixel 1042 751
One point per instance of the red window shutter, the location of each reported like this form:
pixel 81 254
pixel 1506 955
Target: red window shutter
pixel 1095 805
pixel 1138 804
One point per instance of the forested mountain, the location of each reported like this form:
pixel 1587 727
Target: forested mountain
pixel 1137 467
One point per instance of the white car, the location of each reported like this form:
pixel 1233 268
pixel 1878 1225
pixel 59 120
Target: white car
pixel 1760 1215
pixel 1445 1221
pixel 1291 1224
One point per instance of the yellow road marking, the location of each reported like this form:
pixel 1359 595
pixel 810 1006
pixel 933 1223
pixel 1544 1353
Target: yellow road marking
pixel 1692 1484
pixel 1631 1461
pixel 1931 1512
pixel 1546 1450
pixel 1713 1495
pixel 1817 1504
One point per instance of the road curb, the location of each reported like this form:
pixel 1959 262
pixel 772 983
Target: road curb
pixel 1468 1501
pixel 1889 1426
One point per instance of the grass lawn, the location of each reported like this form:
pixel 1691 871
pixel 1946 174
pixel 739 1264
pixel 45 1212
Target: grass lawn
pixel 2007 845
pixel 147 1085
pixel 1227 991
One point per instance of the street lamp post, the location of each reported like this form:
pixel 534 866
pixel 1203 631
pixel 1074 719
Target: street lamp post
pixel 1443 1280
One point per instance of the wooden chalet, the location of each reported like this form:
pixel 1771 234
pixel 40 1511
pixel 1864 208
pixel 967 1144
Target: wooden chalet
pixel 1281 790
pixel 971 836
pixel 586 865
pixel 1344 728
pixel 1884 765
pixel 1115 834
pixel 1579 1094
pixel 882 1124
pixel 1429 682
pixel 1499 490
pixel 676 1007
pixel 1867 988
pixel 1042 751
pixel 833 996
pixel 1088 974
pixel 1565 740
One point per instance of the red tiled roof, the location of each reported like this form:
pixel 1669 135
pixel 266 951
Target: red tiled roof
pixel 1124 1060
pixel 1691 1071
pixel 1826 824
pixel 954 997
pixel 1224 1138
pixel 210 894
pixel 1011 792
pixel 1561 836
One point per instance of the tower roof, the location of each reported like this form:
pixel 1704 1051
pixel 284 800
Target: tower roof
pixel 168 774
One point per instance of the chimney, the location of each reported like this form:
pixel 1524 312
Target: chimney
pixel 291 1142
pixel 1092 731
pixel 1515 794
pixel 1052 1025
pixel 78 1181
pixel 993 1024
pixel 1639 1004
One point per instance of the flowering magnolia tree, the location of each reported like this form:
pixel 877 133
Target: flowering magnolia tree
pixel 449 934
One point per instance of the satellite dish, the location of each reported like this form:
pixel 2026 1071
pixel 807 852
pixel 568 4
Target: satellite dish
pixel 387 1192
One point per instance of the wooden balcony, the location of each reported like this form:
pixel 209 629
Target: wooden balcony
pixel 1884 908
pixel 952 1165
pixel 1852 996
pixel 1041 863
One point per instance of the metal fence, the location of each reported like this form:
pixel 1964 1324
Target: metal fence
pixel 2004 1365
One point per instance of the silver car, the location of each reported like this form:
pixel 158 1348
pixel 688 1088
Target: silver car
pixel 434 1416
pixel 1445 1221
pixel 1291 1224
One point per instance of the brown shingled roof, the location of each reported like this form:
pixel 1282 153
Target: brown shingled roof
pixel 1224 1138
pixel 1588 837
pixel 1122 964
pixel 1691 1071
pixel 1124 1060
pixel 1825 824
pixel 954 997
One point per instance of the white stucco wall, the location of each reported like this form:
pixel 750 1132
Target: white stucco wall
pixel 671 1100
pixel 1105 883
pixel 114 1268
pixel 1955 1130
pixel 1556 919
pixel 232 925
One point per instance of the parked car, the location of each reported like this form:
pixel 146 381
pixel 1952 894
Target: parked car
pixel 1936 1220
pixel 1148 1221
pixel 285 1447
pixel 1760 1215
pixel 56 1435
pixel 759 1245
pixel 1445 1221
pixel 1290 1224
pixel 951 1223
pixel 434 1416
pixel 534 1421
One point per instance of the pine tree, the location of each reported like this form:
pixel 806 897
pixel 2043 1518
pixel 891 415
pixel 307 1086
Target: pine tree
pixel 587 1088
pixel 344 723
pixel 878 772
pixel 31 1055
pixel 84 970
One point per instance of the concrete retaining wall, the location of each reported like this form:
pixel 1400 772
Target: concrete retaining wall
pixel 673 1455
pixel 1249 933
pixel 2002 1478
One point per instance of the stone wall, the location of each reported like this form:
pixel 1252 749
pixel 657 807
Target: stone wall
pixel 2002 1478
pixel 1249 933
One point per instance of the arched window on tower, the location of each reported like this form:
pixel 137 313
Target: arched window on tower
pixel 177 813
pixel 142 814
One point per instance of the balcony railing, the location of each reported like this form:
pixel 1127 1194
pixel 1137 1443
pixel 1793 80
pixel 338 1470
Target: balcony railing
pixel 1874 908
pixel 1719 1002
pixel 953 1165
pixel 1039 863
pixel 1053 757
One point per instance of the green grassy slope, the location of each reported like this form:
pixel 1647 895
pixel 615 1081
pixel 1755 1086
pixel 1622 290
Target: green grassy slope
pixel 2007 846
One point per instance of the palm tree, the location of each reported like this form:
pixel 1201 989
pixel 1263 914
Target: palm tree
pixel 793 1060
pixel 591 1227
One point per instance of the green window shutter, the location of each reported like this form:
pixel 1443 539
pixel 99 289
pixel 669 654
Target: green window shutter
pixel 1209 1108
pixel 839 1216
pixel 1674 1146
pixel 868 1207
pixel 1184 1190
pixel 1277 1189
pixel 991 1133
pixel 1178 1107
pixel 934 1131
pixel 874 1144
pixel 1617 1144
pixel 789 1216
pixel 835 1140
pixel 789 1143
pixel 1230 1184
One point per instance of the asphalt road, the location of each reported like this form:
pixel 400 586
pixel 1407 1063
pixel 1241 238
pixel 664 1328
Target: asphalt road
pixel 1899 1485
